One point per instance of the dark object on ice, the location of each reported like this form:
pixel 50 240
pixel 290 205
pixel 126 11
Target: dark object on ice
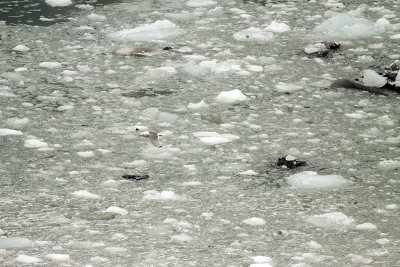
pixel 290 163
pixel 167 48
pixel 321 49
pixel 347 83
pixel 135 177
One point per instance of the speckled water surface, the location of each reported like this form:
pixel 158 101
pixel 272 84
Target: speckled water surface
pixel 234 94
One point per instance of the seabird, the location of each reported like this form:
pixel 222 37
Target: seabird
pixel 153 137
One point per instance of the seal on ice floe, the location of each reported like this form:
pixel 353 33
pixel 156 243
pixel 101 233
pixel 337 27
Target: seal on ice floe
pixel 321 49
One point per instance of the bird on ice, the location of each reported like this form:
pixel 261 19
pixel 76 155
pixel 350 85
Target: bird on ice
pixel 153 137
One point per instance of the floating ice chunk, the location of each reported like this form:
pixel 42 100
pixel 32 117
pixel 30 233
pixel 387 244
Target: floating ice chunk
pixel 137 163
pixel 200 3
pixel 27 259
pixel 15 242
pixel 85 154
pixel 152 152
pixel 117 210
pixel 395 37
pixel 197 70
pixel 262 259
pixel 58 3
pixel 213 138
pixel 192 183
pixel 21 48
pixel 85 194
pixel 254 221
pixel 314 245
pixel 365 59
pixel 230 97
pixel 389 164
pixel 277 27
pixel 331 220
pixel 13 76
pixel 248 172
pixel 94 16
pixel 366 226
pixel 58 257
pixel 360 259
pixel 182 237
pixel 4 132
pixel 197 106
pixel 163 195
pixel 158 73
pixel 85 7
pixel 287 87
pixel 371 78
pixel 355 115
pixel 310 179
pixel 382 241
pixel 207 68
pixel 157 115
pixel 50 65
pixel 391 207
pixel 35 143
pixel 159 30
pixel 254 35
pixel 345 25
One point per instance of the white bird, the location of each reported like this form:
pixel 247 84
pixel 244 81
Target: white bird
pixel 153 137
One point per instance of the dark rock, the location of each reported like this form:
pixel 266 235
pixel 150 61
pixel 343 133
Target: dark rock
pixel 288 162
pixel 135 177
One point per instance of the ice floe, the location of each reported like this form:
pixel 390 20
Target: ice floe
pixel 4 132
pixel 35 143
pixel 196 106
pixel 85 154
pixel 214 138
pixel 253 34
pixel 159 30
pixel 283 87
pixel 366 226
pixel 15 242
pixel 371 78
pixel 21 48
pixel 337 220
pixel 200 3
pixel 85 194
pixel 254 221
pixel 163 195
pixel 58 3
pixel 117 210
pixel 310 179
pixel 58 257
pixel 155 114
pixel 28 259
pixel 50 65
pixel 389 164
pixel 277 27
pixel 230 97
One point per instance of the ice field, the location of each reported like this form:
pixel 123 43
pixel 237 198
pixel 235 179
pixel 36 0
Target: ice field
pixel 227 87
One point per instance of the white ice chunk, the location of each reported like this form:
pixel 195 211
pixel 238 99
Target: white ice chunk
pixel 249 172
pixel 35 143
pixel 58 257
pixel 86 154
pixel 213 138
pixel 182 237
pixel 345 25
pixel 4 132
pixel 366 226
pixel 254 221
pixel 27 259
pixel 21 48
pixel 314 245
pixel 389 164
pixel 331 220
pixel 310 179
pixel 230 97
pixel 50 65
pixel 117 210
pixel 94 16
pixel 200 3
pixel 391 207
pixel 85 194
pixel 287 87
pixel 15 242
pixel 253 34
pixel 58 3
pixel 371 78
pixel 163 195
pixel 159 30
pixel 314 48
pixel 196 106
pixel 277 27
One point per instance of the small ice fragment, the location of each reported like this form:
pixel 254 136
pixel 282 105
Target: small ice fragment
pixel 27 259
pixel 196 106
pixel 86 154
pixel 182 237
pixel 389 164
pixel 4 132
pixel 314 245
pixel 256 35
pixel 254 221
pixel 248 172
pixel 94 16
pixel 366 226
pixel 21 48
pixel 331 220
pixel 15 242
pixel 287 87
pixel 382 241
pixel 230 97
pixel 58 3
pixel 371 78
pixel 117 210
pixel 213 138
pixel 50 65
pixel 391 207
pixel 310 179
pixel 85 194
pixel 34 143
pixel 200 3
pixel 58 257
pixel 277 27
pixel 163 195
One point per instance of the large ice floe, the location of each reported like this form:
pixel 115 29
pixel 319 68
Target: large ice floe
pixel 159 30
pixel 213 138
pixel 348 26
pixel 310 179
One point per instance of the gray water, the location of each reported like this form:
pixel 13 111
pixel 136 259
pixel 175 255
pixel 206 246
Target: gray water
pixel 197 214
